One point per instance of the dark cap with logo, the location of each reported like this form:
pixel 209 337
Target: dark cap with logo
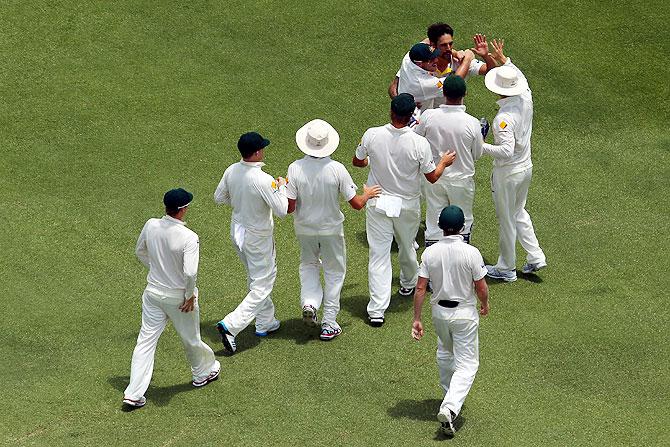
pixel 177 198
pixel 403 104
pixel 421 52
pixel 451 219
pixel 454 87
pixel 250 142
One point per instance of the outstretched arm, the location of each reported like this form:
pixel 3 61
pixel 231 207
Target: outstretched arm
pixel 358 201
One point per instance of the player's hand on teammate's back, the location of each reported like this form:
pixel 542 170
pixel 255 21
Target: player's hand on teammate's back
pixel 448 158
pixel 281 181
pixel 372 191
pixel 188 305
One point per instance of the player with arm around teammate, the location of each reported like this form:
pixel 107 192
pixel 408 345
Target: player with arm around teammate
pixel 255 196
pixel 512 168
pixel 456 271
pixel 398 159
pixel 315 183
pixel 171 252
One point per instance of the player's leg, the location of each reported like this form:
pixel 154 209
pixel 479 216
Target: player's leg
pixel 311 292
pixel 405 228
pixel 379 229
pixel 154 320
pixel 334 258
pixel 436 200
pixel 187 325
pixel 504 194
pixel 524 226
pixel 260 257
pixel 462 194
pixel 466 360
pixel 445 352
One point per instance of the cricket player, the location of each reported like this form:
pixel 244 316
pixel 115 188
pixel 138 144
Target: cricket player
pixel 398 158
pixel 512 168
pixel 449 61
pixel 315 184
pixel 255 196
pixel 171 252
pixel 456 271
pixel 449 126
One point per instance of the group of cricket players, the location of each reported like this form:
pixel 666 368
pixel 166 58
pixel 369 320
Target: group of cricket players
pixel 427 151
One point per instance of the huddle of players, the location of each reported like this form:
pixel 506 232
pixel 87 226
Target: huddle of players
pixel 406 156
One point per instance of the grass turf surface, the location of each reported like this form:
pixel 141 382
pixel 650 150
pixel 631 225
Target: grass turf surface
pixel 106 106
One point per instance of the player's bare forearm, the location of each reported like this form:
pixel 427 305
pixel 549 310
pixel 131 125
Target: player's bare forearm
pixel 393 88
pixel 419 296
pixel 358 201
pixel 482 291
pixel 359 163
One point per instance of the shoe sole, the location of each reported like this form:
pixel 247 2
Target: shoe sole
pixel 446 428
pixel 226 344
pixel 134 403
pixel 533 270
pixel 376 323
pixel 502 278
pixel 309 318
pixel 401 293
pixel 329 337
pixel 207 380
pixel 266 333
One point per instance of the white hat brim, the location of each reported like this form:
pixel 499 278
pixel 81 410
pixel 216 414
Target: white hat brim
pixel 317 151
pixel 490 82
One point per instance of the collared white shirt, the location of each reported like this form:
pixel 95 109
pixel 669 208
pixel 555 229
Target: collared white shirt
pixel 254 196
pixel 171 252
pixel 512 128
pixel 425 87
pixel 316 184
pixel 398 160
pixel 452 266
pixel 450 128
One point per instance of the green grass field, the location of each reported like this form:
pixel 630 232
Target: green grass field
pixel 106 105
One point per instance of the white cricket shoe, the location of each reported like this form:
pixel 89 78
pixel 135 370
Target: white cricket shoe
pixel 507 276
pixel 211 377
pixel 532 268
pixel 272 327
pixel 227 338
pixel 446 423
pixel 139 403
pixel 309 315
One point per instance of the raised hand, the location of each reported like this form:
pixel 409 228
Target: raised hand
pixel 498 51
pixel 481 46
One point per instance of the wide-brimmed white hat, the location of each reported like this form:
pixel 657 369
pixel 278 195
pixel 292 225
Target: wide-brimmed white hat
pixel 505 81
pixel 317 138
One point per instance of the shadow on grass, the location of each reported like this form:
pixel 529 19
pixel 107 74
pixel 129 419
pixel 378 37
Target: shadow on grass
pixel 244 340
pixel 158 395
pixel 425 411
pixel 294 329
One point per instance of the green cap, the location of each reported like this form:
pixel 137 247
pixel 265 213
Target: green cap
pixel 454 87
pixel 403 104
pixel 451 219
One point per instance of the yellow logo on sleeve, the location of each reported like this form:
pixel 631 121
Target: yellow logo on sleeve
pixel 503 124
pixel 439 84
pixel 274 184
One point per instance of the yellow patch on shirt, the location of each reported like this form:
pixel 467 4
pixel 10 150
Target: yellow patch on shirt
pixel 439 84
pixel 274 184
pixel 503 124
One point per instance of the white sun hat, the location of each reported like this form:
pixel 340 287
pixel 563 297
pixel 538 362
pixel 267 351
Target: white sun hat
pixel 505 81
pixel 317 138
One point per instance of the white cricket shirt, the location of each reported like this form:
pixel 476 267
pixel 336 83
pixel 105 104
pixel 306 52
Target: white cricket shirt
pixel 316 183
pixel 452 266
pixel 398 160
pixel 171 252
pixel 512 128
pixel 450 128
pixel 254 196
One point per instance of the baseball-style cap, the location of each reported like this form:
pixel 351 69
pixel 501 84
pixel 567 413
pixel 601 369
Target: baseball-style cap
pixel 421 52
pixel 454 87
pixel 250 142
pixel 403 104
pixel 177 198
pixel 451 219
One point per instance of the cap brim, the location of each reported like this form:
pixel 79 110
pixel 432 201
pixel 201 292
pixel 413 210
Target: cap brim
pixel 265 143
pixel 317 151
pixel 489 81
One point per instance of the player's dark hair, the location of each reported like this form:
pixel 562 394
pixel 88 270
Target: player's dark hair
pixel 172 212
pixel 436 30
pixel 247 152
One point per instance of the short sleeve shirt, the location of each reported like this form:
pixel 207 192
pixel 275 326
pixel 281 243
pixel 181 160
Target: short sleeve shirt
pixel 452 266
pixel 316 184
pixel 398 160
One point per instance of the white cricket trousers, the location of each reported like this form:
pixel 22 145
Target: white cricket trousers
pixel 445 192
pixel 327 252
pixel 157 309
pixel 258 256
pixel 510 192
pixel 457 357
pixel 380 232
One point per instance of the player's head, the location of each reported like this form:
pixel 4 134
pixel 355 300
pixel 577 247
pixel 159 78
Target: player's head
pixel 441 36
pixel 424 56
pixel 250 143
pixel 176 202
pixel 402 107
pixel 454 89
pixel 451 220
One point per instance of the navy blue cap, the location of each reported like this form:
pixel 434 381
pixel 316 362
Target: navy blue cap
pixel 451 219
pixel 421 52
pixel 403 104
pixel 177 198
pixel 250 142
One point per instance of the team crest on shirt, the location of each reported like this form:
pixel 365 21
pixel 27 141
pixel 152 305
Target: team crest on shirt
pixel 503 124
pixel 274 185
pixel 439 84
